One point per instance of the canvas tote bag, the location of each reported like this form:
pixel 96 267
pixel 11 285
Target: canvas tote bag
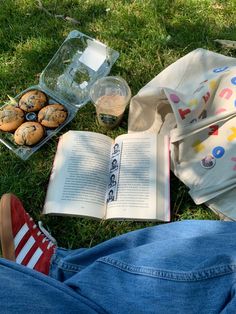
pixel 194 101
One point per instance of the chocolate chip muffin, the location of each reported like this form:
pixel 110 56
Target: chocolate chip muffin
pixel 29 133
pixel 33 100
pixel 52 116
pixel 10 118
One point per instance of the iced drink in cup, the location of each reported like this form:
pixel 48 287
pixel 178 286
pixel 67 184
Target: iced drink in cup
pixel 110 96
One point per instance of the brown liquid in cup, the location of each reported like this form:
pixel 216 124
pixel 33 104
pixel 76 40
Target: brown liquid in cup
pixel 110 110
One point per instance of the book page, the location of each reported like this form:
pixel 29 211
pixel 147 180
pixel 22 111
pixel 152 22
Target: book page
pixel 79 177
pixel 137 186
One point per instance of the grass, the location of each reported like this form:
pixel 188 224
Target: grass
pixel 149 35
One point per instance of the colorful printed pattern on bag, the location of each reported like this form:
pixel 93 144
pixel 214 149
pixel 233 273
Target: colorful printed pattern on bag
pixel 206 120
pixel 213 96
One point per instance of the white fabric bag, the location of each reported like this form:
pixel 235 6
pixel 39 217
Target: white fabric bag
pixel 194 100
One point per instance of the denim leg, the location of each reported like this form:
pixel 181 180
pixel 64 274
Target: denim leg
pixel 23 290
pixel 182 267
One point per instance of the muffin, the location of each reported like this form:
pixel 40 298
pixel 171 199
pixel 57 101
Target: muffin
pixel 10 118
pixel 52 116
pixel 29 133
pixel 33 100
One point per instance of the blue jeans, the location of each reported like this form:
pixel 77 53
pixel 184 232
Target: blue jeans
pixel 181 267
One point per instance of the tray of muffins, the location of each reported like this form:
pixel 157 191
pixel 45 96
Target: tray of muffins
pixel 29 120
pixel 35 115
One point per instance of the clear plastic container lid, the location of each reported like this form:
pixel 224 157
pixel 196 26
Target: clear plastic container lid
pixel 67 79
pixel 75 67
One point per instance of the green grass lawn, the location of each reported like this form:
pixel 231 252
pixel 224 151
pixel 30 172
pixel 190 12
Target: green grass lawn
pixel 149 35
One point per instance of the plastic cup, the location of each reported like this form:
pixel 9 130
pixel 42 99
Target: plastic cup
pixel 110 95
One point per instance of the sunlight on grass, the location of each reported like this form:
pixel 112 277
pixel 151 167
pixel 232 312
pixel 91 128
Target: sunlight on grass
pixel 149 35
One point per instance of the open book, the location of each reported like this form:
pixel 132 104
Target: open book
pixel 95 176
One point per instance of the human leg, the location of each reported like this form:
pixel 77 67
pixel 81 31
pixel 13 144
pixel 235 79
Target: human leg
pixel 183 267
pixel 23 290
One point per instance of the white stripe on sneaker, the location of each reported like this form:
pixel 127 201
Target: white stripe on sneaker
pixel 34 259
pixel 20 234
pixel 28 245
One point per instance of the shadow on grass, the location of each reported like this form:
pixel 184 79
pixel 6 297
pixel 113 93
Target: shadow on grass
pixel 29 38
pixel 149 38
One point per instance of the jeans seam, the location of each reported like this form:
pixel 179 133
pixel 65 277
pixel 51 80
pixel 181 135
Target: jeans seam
pixel 65 265
pixel 200 275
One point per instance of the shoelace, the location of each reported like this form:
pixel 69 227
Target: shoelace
pixel 48 236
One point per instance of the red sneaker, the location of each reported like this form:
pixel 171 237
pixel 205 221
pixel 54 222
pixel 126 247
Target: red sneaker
pixel 22 241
